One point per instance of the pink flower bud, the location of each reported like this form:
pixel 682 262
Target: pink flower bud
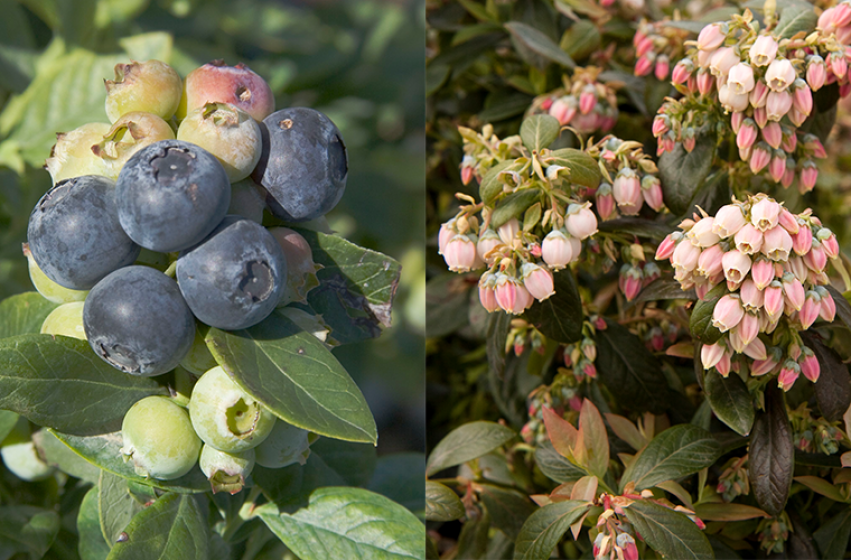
pixel 755 349
pixel 701 233
pixel 722 61
pixel 447 232
pixel 643 65
pixel 773 134
pixel 789 175
pixel 841 15
pixel 780 75
pixel 487 294
pixel 740 80
pixel 838 64
pixel 788 375
pixel 759 94
pixel 728 220
pixel 538 280
pixel 557 250
pixel 825 20
pixel 736 120
pixel 778 104
pixel 710 37
pixel 813 144
pixel 711 354
pixel 810 366
pixel 747 330
pixel 651 189
pixel 563 109
pixel 710 262
pixel 816 72
pixel 760 156
pixel 686 256
pixel 547 103
pixel 508 231
pixel 723 365
pixel 797 267
pixel 467 174
pixel 816 258
pixel 760 116
pixel 749 240
pixel 460 254
pixel 828 306
pixel 630 551
pixel 829 243
pixel 630 281
pixel 587 99
pixel 705 81
pixel 774 302
pixel 682 71
pixel 777 165
pixel 790 139
pixel 627 192
pixel 777 244
pixel 728 313
pixel 802 241
pixel 736 265
pixel 789 223
pixel 803 97
pixel 689 143
pixel 810 310
pixel 605 201
pixel 663 66
pixel 809 175
pixel 752 297
pixel 660 125
pixel 762 272
pixel 651 272
pixel 794 291
pixel 581 221
pixel 643 46
pixel 763 51
pixel 747 134
pixel 488 241
pixel 667 246
pixel 796 117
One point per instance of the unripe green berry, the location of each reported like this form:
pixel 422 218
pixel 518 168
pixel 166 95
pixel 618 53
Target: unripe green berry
pixel 286 445
pixel 21 456
pixel 128 135
pixel 72 155
pixel 66 320
pixel 152 86
pixel 226 417
pixel 159 439
pixel 199 359
pixel 226 471
pixel 49 289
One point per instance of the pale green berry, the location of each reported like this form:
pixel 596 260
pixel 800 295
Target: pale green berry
pixel 226 471
pixel 128 135
pixel 228 133
pixel 152 87
pixel 66 320
pixel 21 456
pixel 159 439
pixel 225 416
pixel 199 359
pixel 286 445
pixel 72 155
pixel 49 289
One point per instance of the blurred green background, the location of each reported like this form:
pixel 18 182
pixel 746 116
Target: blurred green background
pixel 361 62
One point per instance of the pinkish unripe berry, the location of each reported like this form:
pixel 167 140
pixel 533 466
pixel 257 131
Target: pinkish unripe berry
pixel 237 85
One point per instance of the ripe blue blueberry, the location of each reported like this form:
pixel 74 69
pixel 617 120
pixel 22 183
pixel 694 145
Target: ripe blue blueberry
pixel 136 321
pixel 303 165
pixel 235 277
pixel 171 194
pixel 74 233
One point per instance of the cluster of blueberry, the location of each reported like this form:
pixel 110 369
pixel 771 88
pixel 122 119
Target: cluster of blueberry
pixel 176 189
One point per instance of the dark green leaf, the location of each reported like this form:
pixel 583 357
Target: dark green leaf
pixel 436 76
pixel 28 529
pixel 24 314
pixel 474 538
pixel 400 477
pixel 504 104
pixel 296 377
pixel 795 19
pixel 693 26
pixel 290 487
pixel 442 504
pixel 583 168
pixel 116 506
pixel 467 442
pixel 61 456
pixel 460 56
pixel 560 316
pixel 843 308
pixel 587 7
pixel 492 186
pixel 580 40
pixel 104 451
pixel 679 451
pixel 668 532
pixel 92 546
pixel 173 527
pixel 637 226
pixel 447 303
pixel 664 288
pixel 700 321
pixel 349 523
pixel 514 205
pixel 682 173
pixel 832 537
pixel 539 131
pixel 730 400
pixel 544 528
pixel 539 43
pixel 554 466
pixel 8 419
pixel 772 454
pixel 712 194
pixel 478 11
pixel 508 509
pixel 354 462
pixel 356 287
pixel 833 389
pixel 820 122
pixel 504 370
pixel 60 383
pixel 630 371
pixel 826 98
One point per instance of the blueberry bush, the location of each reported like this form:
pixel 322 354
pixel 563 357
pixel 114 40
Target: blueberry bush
pixel 640 347
pixel 195 284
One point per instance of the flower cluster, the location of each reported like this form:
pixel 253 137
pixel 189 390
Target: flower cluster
pixel 734 481
pixel 771 265
pixel 561 396
pixel 484 150
pixel 629 179
pixel 656 44
pixel 584 103
pixel 811 434
pixel 765 84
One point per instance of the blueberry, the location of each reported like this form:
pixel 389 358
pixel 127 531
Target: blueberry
pixel 74 233
pixel 303 165
pixel 235 277
pixel 171 194
pixel 136 321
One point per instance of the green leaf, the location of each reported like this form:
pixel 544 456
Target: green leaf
pixel 539 131
pixel 356 289
pixel 628 369
pixel 587 7
pixel 730 400
pixel 580 40
pixel 637 226
pixel 507 508
pixel 583 168
pixel 60 383
pixel 447 304
pixel 492 186
pixel 843 308
pixel 833 390
pixel 467 442
pixel 442 503
pixel 795 19
pixel 91 545
pixel 832 537
pixel 28 529
pixel 8 419
pixel 23 314
pixel 771 462
pixel 349 523
pixel 682 173
pixel 104 452
pixel 296 377
pixel 560 316
pixel 400 477
pixel 664 287
pixel 539 43
pixel 504 104
pixel 116 506
pixel 700 321
pixel 679 451
pixel 544 528
pixel 668 532
pixel 173 527
pixel 61 456
pixel 354 462
pixel 513 205
pixel 554 466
